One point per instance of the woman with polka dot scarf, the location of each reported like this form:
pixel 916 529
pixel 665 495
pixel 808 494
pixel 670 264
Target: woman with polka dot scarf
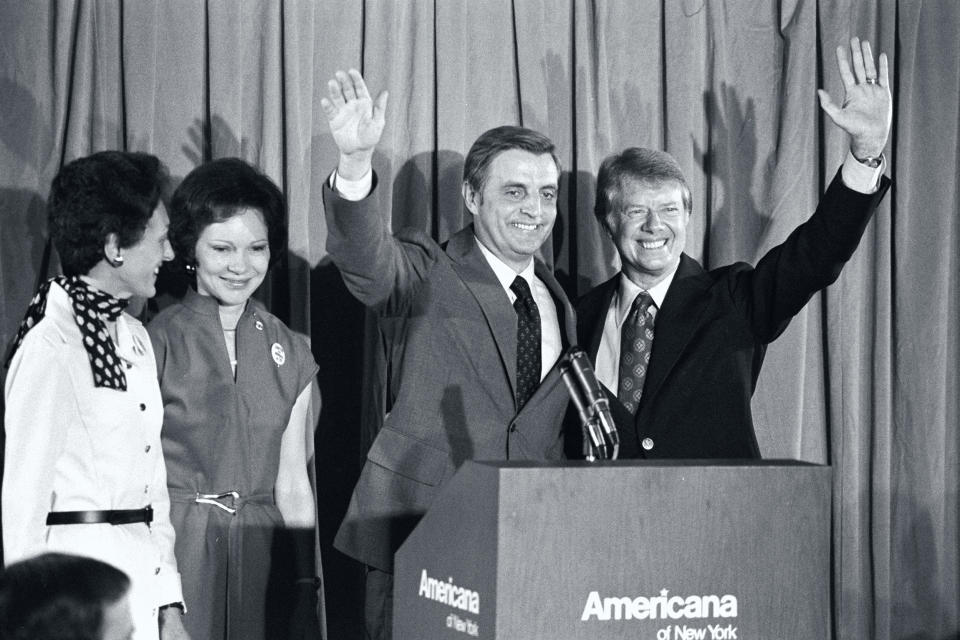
pixel 84 471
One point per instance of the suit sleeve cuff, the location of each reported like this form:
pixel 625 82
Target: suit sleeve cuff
pixel 353 190
pixel 859 177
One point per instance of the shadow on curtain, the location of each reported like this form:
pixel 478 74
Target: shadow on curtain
pixel 865 377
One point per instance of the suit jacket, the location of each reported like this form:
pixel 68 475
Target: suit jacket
pixel 453 341
pixel 712 330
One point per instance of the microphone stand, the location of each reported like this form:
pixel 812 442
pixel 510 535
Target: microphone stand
pixel 592 405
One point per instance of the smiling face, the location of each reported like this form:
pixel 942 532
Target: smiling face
pixel 232 258
pixel 137 275
pixel 515 211
pixel 648 224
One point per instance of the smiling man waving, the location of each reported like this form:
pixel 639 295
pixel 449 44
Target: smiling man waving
pixel 473 329
pixel 679 347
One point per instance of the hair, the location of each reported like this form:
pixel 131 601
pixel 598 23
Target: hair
pixel 647 166
pixel 92 197
pixel 56 596
pixel 495 141
pixel 217 191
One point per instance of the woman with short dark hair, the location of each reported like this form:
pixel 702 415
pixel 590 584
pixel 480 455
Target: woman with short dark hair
pixel 236 386
pixel 84 470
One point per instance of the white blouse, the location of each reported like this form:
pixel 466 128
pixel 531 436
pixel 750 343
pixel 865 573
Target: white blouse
pixel 72 447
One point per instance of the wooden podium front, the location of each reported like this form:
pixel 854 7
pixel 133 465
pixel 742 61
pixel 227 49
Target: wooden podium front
pixel 639 550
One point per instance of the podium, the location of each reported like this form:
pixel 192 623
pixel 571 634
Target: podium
pixel 639 550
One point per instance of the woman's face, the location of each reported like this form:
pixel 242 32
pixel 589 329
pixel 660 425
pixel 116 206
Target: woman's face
pixel 233 257
pixel 137 275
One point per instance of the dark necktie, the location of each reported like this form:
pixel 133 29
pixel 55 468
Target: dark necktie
pixel 636 341
pixel 528 341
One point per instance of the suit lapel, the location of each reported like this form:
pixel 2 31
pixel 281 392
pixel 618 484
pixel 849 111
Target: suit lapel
pixel 595 316
pixel 677 320
pixel 675 325
pixel 468 262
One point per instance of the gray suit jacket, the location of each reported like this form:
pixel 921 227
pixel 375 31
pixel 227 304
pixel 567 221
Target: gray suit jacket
pixel 452 333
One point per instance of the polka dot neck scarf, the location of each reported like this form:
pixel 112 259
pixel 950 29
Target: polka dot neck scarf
pixel 90 308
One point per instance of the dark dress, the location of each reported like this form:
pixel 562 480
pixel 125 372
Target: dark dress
pixel 220 436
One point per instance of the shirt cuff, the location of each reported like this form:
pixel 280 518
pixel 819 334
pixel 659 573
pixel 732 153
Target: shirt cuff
pixel 859 177
pixel 353 190
pixel 168 588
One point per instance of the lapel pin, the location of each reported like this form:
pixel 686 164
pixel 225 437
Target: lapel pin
pixel 279 356
pixel 138 347
pixel 259 325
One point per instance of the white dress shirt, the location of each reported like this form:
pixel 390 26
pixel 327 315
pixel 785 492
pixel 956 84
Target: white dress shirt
pixel 75 447
pixel 855 175
pixel 550 343
pixel 608 356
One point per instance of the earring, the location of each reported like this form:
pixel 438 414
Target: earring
pixel 190 268
pixel 116 261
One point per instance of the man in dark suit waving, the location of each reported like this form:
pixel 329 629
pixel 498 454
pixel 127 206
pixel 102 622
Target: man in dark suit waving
pixel 475 327
pixel 681 347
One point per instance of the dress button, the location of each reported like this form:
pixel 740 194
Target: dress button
pixel 647 443
pixel 129 366
pixel 157 572
pixel 143 407
pixel 146 489
pixel 146 449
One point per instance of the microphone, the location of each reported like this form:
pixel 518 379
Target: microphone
pixel 591 403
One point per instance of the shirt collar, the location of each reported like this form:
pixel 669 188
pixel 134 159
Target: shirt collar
pixel 128 344
pixel 628 291
pixel 208 305
pixel 505 274
pixel 204 305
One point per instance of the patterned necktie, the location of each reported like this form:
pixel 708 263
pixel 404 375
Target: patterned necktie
pixel 636 341
pixel 528 341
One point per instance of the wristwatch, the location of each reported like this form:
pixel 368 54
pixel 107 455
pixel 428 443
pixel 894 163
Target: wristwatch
pixel 870 161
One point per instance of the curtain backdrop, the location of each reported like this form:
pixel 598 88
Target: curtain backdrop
pixel 865 377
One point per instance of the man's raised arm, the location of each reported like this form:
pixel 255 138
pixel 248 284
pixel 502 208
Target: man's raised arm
pixel 378 268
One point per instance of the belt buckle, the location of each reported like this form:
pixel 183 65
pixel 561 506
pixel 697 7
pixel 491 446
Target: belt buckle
pixel 115 518
pixel 214 499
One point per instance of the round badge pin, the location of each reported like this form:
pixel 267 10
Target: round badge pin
pixel 279 356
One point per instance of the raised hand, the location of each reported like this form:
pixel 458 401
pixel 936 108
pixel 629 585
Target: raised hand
pixel 356 121
pixel 867 108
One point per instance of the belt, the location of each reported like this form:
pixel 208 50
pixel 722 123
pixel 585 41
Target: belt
pixel 229 501
pixel 112 516
pixel 214 499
